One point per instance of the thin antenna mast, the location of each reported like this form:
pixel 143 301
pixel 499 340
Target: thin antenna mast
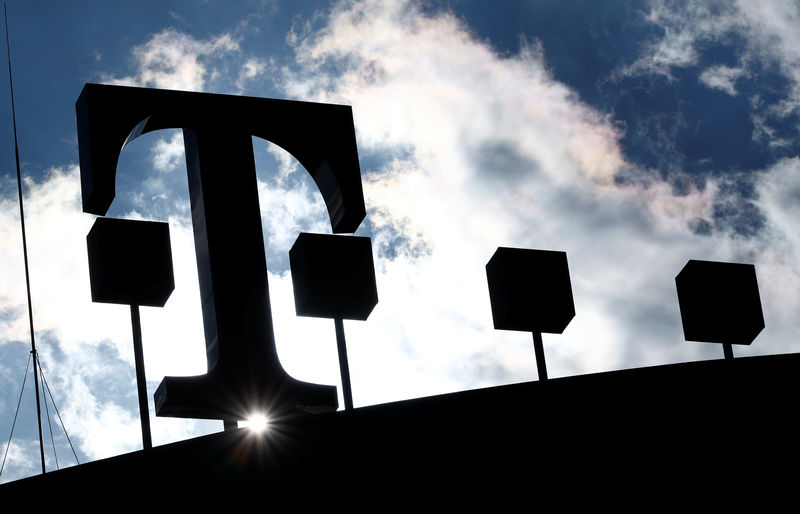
pixel 24 246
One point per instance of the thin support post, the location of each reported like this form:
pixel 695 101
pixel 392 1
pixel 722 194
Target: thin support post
pixel 727 349
pixel 538 348
pixel 38 403
pixel 47 412
pixel 24 245
pixel 344 368
pixel 141 383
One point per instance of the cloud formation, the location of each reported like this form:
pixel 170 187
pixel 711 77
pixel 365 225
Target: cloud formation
pixel 174 60
pixel 481 150
pixel 722 77
pixel 764 35
pixel 86 348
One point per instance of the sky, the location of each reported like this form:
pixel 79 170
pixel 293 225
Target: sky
pixel 632 135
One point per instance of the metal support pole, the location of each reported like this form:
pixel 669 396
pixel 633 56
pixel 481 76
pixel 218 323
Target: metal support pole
pixel 344 368
pixel 141 383
pixel 538 348
pixel 24 245
pixel 727 349
pixel 36 389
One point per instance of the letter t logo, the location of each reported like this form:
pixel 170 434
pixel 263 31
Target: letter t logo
pixel 244 372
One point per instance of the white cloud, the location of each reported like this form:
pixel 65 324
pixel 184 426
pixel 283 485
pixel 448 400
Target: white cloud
pixel 174 60
pixel 492 151
pixel 722 77
pixel 168 154
pixel 18 462
pixel 768 32
pixel 86 348
pixel 56 230
pixel 251 69
pixel 686 29
pixel 285 211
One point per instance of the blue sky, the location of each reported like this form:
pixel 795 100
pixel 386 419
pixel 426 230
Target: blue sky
pixel 632 135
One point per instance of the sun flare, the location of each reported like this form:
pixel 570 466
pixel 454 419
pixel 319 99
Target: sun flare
pixel 257 423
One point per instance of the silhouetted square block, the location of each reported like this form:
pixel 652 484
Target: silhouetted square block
pixel 719 302
pixel 333 276
pixel 530 290
pixel 130 262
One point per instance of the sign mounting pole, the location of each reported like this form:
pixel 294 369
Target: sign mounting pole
pixel 25 246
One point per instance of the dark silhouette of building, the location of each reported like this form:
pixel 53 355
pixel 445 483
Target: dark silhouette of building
pixel 709 427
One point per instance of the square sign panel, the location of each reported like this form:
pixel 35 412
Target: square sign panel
pixel 530 290
pixel 719 302
pixel 130 262
pixel 333 276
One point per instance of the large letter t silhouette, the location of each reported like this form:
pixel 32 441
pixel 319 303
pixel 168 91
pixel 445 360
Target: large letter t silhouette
pixel 244 372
